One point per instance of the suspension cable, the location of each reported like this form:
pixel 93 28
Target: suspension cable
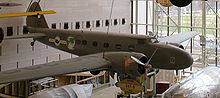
pixel 110 16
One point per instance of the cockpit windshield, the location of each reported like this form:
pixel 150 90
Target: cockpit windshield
pixel 154 40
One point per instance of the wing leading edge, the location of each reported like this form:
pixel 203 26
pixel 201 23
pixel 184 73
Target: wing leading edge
pixel 179 38
pixel 78 64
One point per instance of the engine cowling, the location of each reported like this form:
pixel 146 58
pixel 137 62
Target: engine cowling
pixel 125 66
pixel 177 45
pixel 1 35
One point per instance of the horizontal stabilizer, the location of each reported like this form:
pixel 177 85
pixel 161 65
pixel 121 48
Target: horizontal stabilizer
pixel 32 35
pixel 26 14
pixel 179 38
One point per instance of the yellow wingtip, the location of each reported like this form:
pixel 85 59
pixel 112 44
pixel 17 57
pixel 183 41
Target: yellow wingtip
pixel 26 14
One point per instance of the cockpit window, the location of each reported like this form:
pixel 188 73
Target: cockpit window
pixel 154 40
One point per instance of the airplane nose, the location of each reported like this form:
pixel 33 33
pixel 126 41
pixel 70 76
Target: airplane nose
pixel 186 59
pixel 189 59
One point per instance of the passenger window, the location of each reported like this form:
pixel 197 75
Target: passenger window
pixel 9 31
pixel 77 26
pixel 115 21
pixel 106 22
pixel 53 26
pixel 98 23
pixel 88 24
pixel 84 42
pixel 78 42
pixel 123 21
pixel 95 44
pixel 106 45
pixel 118 46
pixel 66 26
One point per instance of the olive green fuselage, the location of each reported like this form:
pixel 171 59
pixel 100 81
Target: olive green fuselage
pixel 81 43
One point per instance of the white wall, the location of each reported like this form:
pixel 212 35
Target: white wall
pixel 19 53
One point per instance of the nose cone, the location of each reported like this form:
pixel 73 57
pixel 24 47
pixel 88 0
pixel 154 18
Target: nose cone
pixel 187 60
pixel 182 58
pixel 170 57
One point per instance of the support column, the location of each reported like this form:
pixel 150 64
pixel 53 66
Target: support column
pixel 179 20
pixel 153 14
pixel 204 31
pixel 146 16
pixel 136 16
pixel 132 16
pixel 216 35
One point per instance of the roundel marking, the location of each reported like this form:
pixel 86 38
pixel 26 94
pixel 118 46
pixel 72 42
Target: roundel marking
pixel 57 41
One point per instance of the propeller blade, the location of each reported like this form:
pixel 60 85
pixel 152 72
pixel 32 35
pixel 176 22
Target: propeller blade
pixel 137 60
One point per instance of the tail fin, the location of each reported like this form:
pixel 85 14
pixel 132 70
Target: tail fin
pixel 35 20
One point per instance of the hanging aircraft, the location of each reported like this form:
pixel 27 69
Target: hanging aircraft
pixel 126 54
pixel 178 3
pixel 201 84
pixel 181 3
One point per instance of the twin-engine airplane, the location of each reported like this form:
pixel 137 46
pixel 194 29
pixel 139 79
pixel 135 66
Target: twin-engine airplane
pixel 126 54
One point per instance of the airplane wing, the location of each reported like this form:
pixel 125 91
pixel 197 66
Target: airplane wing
pixel 179 38
pixel 26 14
pixel 32 35
pixel 78 64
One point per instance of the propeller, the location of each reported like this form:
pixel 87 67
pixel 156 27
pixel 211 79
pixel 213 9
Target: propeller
pixel 146 65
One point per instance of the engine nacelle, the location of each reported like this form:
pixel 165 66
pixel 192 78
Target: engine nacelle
pixel 96 72
pixel 177 45
pixel 1 35
pixel 125 66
